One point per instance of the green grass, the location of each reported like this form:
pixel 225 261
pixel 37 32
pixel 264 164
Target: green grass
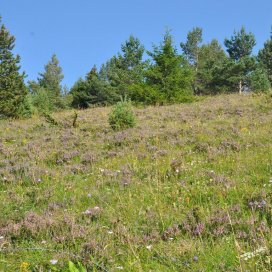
pixel 187 189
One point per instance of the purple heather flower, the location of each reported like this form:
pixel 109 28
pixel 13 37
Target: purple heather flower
pixel 195 259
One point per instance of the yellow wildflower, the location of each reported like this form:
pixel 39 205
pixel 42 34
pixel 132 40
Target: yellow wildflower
pixel 24 267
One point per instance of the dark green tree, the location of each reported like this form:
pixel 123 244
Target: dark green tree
pixel 169 75
pixel 265 57
pixel 232 75
pixel 240 45
pixel 92 91
pixel 12 87
pixel 211 57
pixel 125 69
pixel 239 48
pixel 111 73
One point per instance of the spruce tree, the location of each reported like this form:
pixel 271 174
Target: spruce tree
pixel 12 87
pixel 169 74
pixel 92 91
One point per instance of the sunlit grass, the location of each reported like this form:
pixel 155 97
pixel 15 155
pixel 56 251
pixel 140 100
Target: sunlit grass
pixel 187 189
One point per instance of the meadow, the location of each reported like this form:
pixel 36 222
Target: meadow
pixel 187 189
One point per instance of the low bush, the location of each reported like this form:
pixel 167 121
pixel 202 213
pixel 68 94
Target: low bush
pixel 122 116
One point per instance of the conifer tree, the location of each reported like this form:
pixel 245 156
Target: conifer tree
pixel 265 57
pixel 211 56
pixel 51 79
pixel 240 47
pixel 191 50
pixel 12 87
pixel 92 90
pixel 126 68
pixel 191 46
pixel 169 74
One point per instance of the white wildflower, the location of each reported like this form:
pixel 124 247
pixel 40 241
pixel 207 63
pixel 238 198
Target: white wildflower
pixel 53 262
pixel 248 255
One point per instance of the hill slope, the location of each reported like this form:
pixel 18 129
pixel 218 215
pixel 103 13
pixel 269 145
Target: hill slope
pixel 188 189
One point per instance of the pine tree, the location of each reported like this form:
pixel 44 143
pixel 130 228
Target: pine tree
pixel 211 57
pixel 191 47
pixel 240 47
pixel 12 87
pixel 233 75
pixel 51 79
pixel 191 51
pixel 265 57
pixel 125 69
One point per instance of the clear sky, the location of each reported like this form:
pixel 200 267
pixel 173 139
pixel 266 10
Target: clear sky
pixel 87 32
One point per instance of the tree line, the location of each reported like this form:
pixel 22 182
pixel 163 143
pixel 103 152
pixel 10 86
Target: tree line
pixel 165 74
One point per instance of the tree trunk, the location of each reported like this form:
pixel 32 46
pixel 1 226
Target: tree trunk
pixel 240 87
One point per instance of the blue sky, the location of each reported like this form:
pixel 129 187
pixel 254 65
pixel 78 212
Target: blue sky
pixel 85 32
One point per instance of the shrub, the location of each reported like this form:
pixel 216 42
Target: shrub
pixel 144 94
pixel 62 102
pixel 26 109
pixel 122 116
pixel 41 101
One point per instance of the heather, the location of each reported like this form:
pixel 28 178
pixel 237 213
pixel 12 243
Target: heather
pixel 187 189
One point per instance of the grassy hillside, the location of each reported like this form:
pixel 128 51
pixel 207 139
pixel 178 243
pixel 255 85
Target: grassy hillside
pixel 187 189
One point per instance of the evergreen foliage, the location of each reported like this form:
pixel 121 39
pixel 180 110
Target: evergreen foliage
pixel 191 46
pixel 92 91
pixel 165 77
pixel 265 57
pixel 169 74
pixel 240 45
pixel 125 69
pixel 12 87
pixel 259 81
pixel 52 76
pixel 122 116
pixel 241 64
pixel 211 59
pixel 47 92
